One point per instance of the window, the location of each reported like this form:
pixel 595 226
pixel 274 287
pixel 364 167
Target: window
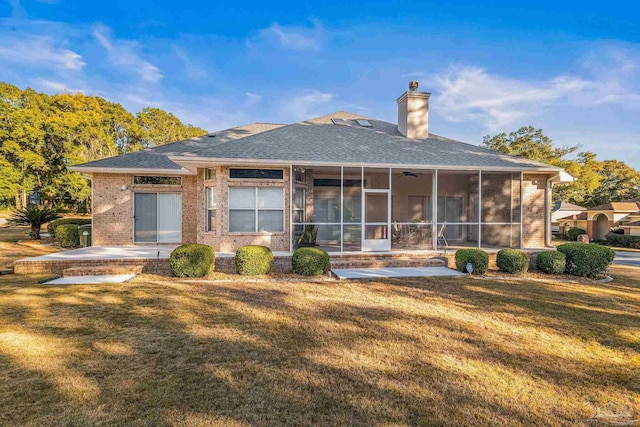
pixel 419 208
pixel 299 204
pixel 256 174
pixel 157 217
pixel 157 180
pixel 210 174
pixel 211 208
pixel 255 209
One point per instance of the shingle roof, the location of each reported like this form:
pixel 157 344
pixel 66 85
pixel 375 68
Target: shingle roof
pixel 319 140
pixel 566 206
pixel 623 205
pixel 632 224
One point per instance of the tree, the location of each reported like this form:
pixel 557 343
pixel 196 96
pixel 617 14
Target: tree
pixel 160 127
pixel 529 143
pixel 33 216
pixel 597 182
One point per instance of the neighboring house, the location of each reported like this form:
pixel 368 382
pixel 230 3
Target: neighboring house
pixel 599 220
pixel 565 209
pixel 364 184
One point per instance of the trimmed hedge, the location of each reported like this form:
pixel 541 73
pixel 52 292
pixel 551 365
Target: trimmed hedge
pixel 51 227
pixel 623 240
pixel 512 261
pixel 192 260
pixel 551 262
pixel 67 235
pixel 310 261
pixel 478 258
pixel 587 260
pixel 573 233
pixel 252 260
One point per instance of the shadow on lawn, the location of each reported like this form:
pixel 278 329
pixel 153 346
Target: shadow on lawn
pixel 273 354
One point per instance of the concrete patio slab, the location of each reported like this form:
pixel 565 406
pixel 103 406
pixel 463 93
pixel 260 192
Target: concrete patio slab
pixel 108 252
pixel 91 280
pixel 380 273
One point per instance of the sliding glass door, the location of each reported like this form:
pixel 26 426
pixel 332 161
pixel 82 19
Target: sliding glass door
pixel 157 217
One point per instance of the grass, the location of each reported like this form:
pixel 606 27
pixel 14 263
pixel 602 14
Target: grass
pixel 398 352
pixel 10 250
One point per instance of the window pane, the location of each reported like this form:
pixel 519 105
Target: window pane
pixel 145 217
pixel 211 198
pixel 256 173
pixel 270 198
pixel 157 180
pixel 270 221
pixel 242 198
pixel 242 221
pixel 169 218
pixel 211 220
pixel 210 174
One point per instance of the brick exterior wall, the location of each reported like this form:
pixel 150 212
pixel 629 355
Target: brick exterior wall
pixel 113 207
pixel 534 211
pixel 220 238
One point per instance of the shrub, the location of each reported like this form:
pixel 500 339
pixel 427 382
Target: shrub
pixel 587 260
pixel 68 236
pixel 512 261
pixel 33 216
pixel 573 233
pixel 479 259
pixel 192 260
pixel 252 260
pixel 310 261
pixel 551 262
pixel 623 240
pixel 617 230
pixel 51 227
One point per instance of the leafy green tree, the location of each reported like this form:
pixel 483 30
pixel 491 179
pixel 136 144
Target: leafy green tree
pixel 160 127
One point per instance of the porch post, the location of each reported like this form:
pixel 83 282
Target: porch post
pixel 434 209
pixel 362 211
pixel 341 209
pixel 521 207
pixel 291 208
pixel 479 208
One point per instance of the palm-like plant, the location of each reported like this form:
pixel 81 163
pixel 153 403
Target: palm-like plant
pixel 33 216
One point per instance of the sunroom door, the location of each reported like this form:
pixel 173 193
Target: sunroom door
pixel 377 212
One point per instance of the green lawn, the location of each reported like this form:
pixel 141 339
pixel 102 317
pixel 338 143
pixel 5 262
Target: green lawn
pixel 436 351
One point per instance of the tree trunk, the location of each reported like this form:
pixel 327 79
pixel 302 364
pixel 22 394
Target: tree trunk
pixel 35 232
pixel 24 199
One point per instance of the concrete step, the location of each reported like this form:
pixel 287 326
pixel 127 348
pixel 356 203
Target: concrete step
pixel 386 263
pixel 102 270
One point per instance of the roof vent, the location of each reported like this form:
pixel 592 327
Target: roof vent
pixel 340 122
pixel 364 123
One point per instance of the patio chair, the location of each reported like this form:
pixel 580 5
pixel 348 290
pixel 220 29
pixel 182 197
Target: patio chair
pixel 441 237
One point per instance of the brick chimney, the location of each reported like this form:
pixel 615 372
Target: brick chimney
pixel 413 113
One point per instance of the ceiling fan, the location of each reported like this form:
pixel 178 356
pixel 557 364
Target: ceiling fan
pixel 409 173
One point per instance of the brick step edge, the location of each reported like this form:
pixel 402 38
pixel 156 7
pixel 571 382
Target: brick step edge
pixel 99 270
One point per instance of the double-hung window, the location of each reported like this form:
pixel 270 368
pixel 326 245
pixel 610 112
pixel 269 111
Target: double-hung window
pixel 256 209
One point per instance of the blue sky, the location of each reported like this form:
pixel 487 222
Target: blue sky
pixel 570 68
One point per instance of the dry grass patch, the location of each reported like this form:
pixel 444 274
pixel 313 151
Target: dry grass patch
pixel 395 352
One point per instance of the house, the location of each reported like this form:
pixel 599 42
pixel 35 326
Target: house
pixel 363 184
pixel 599 220
pixel 568 212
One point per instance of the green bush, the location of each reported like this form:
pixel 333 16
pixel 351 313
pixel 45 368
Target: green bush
pixel 479 259
pixel 573 233
pixel 551 262
pixel 587 260
pixel 68 236
pixel 192 260
pixel 623 240
pixel 252 260
pixel 310 261
pixel 51 227
pixel 512 261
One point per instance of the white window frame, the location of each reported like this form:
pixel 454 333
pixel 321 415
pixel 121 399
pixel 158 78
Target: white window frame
pixel 257 210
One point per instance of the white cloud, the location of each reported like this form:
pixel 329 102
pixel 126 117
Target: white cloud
pixel 294 37
pixel 308 104
pixel 124 55
pixel 56 86
pixel 252 98
pixel 467 93
pixel 42 51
